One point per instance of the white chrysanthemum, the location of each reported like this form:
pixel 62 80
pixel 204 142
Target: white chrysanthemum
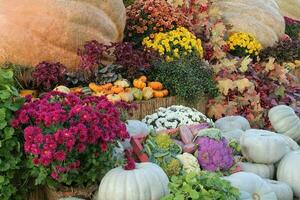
pixel 174 116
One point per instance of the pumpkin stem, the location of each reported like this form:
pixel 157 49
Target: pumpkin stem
pixel 130 163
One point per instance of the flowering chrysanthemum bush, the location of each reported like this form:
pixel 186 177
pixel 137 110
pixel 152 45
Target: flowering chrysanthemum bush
pixel 174 44
pixel 70 138
pixel 146 17
pixel 214 154
pixel 243 44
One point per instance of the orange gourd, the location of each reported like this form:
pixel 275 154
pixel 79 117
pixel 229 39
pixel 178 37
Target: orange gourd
pixel 158 94
pixel 117 89
pixel 155 85
pixel 98 88
pixel 139 84
pixel 76 89
pixel 143 78
pixel 33 93
pixel 166 92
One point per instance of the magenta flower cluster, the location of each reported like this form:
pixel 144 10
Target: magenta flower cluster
pixel 60 129
pixel 214 154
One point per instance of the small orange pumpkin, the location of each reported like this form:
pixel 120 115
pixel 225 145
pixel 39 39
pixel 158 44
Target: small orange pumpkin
pixel 166 92
pixel 117 89
pixel 143 78
pixel 155 85
pixel 158 94
pixel 76 89
pixel 106 86
pixel 33 93
pixel 139 84
pixel 98 88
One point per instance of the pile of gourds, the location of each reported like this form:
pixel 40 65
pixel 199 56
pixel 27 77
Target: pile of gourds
pixel 267 154
pixel 121 90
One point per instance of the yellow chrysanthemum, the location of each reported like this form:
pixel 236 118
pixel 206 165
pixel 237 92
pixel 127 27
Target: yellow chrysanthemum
pixel 244 41
pixel 175 43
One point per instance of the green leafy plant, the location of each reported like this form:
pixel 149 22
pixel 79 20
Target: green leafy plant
pixel 22 76
pixel 108 74
pixel 292 28
pixel 13 180
pixel 205 186
pixel 162 151
pixel 128 2
pixel 188 78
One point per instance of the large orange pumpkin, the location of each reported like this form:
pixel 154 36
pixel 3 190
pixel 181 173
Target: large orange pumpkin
pixel 52 30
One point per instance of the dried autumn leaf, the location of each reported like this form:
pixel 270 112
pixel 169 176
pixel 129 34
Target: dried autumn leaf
pixel 243 84
pixel 216 111
pixel 280 91
pixel 244 64
pixel 225 85
pixel 270 64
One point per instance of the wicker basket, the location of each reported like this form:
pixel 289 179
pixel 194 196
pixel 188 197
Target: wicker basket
pixel 63 192
pixel 150 106
pixel 38 194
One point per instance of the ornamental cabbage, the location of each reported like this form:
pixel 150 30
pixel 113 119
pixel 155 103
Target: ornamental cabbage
pixel 189 162
pixel 214 154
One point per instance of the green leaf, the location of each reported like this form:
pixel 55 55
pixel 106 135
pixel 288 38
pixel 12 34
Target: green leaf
pixel 179 197
pixel 4 94
pixel 2 114
pixel 8 133
pixel 194 194
pixel 280 91
pixel 2 179
pixel 7 74
pixel 3 124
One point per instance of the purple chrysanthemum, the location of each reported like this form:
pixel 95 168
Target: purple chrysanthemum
pixel 214 154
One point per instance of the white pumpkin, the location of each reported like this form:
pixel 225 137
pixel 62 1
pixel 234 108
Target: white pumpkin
pixel 233 135
pixel 135 127
pixel 290 142
pixel 288 171
pixel 260 18
pixel 285 121
pixel 231 123
pixel 282 190
pixel 147 182
pixel 261 146
pixel 251 186
pixel 262 170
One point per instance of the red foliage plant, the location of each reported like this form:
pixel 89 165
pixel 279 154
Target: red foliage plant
pixel 46 75
pixel 133 61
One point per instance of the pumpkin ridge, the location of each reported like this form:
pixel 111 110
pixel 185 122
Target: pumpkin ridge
pixel 145 175
pixel 111 23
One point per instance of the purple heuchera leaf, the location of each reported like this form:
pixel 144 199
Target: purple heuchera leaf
pixel 46 75
pixel 214 155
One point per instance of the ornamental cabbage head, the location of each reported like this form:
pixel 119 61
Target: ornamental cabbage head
pixel 214 154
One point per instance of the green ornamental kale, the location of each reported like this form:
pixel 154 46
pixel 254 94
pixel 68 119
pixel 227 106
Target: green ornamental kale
pixel 205 186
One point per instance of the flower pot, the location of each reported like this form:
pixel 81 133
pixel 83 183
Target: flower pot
pixel 33 93
pixel 63 192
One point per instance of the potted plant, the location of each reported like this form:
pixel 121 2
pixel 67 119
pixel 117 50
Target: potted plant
pixel 69 141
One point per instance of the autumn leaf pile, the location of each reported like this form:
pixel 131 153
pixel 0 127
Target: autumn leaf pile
pixel 246 87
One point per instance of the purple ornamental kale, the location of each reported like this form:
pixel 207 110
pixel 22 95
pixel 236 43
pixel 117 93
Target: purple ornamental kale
pixel 214 154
